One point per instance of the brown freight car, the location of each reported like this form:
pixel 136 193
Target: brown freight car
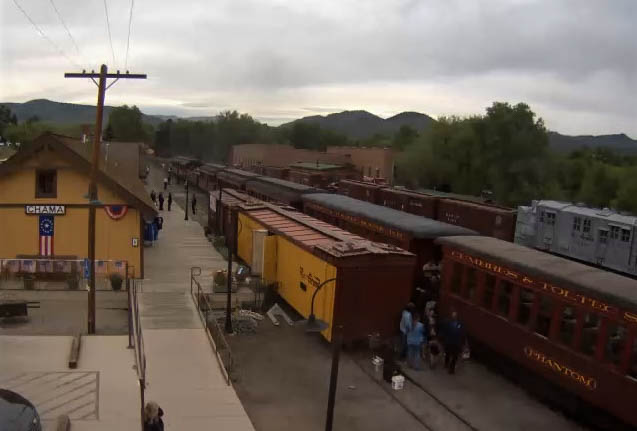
pixel 234 178
pixel 409 201
pixel 364 191
pixel 381 224
pixel 538 315
pixel 361 286
pixel 486 219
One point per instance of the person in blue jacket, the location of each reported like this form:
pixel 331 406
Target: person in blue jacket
pixel 454 338
pixel 416 337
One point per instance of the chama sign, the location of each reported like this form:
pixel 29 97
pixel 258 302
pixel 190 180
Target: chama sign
pixel 45 209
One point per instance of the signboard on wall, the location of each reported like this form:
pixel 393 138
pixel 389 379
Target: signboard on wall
pixel 45 209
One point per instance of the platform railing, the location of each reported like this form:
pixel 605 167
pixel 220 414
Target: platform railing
pixel 216 336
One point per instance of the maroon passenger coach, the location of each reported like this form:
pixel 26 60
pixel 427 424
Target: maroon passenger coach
pixel 571 325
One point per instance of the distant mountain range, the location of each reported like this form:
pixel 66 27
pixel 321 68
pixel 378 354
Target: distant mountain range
pixel 355 124
pixel 362 124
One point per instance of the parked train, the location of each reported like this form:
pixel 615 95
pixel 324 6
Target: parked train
pixel 599 237
pixel 467 211
pixel 539 315
pixel 558 327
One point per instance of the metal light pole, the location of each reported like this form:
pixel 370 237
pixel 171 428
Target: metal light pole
pixel 316 325
pixel 186 216
pixel 228 325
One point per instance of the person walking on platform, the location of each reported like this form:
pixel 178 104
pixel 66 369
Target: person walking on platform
pixel 170 200
pixel 454 340
pixel 405 326
pixel 194 204
pixel 165 183
pixel 161 201
pixel 153 417
pixel 153 197
pixel 415 339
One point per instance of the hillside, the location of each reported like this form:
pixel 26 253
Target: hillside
pixel 619 143
pixel 362 124
pixel 66 113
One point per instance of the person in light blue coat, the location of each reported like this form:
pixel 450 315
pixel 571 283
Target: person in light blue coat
pixel 415 339
pixel 406 320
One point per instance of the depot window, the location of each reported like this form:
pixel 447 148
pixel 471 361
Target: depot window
pixel 46 183
pixel 625 235
pixel 550 218
pixel 603 236
pixel 577 224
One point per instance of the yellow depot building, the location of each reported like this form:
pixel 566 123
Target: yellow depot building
pixel 44 205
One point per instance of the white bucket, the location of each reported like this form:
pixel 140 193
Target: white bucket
pixel 397 382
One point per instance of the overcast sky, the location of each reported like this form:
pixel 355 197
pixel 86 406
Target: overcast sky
pixel 573 61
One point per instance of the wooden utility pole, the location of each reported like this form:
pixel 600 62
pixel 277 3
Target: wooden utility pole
pixel 103 75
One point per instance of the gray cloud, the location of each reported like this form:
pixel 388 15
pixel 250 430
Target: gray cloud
pixel 568 59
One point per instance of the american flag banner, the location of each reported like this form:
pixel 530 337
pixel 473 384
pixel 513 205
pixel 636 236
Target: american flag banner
pixel 46 235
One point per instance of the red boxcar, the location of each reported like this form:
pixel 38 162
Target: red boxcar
pixel 409 201
pixel 573 326
pixel 487 219
pixel 364 191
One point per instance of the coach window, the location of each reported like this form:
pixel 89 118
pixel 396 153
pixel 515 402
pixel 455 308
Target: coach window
pixel 456 277
pixel 587 226
pixel 615 342
pixel 46 183
pixel 544 316
pixel 470 282
pixel 504 298
pixel 589 333
pixel 527 297
pixel 614 232
pixel 567 326
pixel 489 291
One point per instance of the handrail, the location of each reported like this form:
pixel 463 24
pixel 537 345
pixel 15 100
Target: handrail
pixel 136 337
pixel 217 339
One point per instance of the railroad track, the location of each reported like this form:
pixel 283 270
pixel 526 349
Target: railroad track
pixel 429 410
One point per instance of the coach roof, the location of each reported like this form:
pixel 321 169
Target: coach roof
pixel 415 225
pixel 600 283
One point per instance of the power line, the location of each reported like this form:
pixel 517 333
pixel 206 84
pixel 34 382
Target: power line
pixel 108 26
pixel 44 36
pixel 57 12
pixel 130 21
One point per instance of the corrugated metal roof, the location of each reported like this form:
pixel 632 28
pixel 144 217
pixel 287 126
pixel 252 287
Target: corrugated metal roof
pixel 607 285
pixel 310 232
pixel 415 225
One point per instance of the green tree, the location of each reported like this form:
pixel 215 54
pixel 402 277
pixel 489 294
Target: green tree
pixel 7 118
pixel 405 136
pixel 599 186
pixel 627 192
pixel 126 124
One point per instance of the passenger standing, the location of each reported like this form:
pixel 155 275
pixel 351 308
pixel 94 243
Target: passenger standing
pixel 433 345
pixel 194 204
pixel 170 200
pixel 165 183
pixel 153 417
pixel 405 326
pixel 454 340
pixel 170 175
pixel 153 197
pixel 161 201
pixel 415 339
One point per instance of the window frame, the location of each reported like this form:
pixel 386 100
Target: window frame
pixel 614 232
pixel 42 195
pixel 577 224
pixel 587 226
pixel 624 231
